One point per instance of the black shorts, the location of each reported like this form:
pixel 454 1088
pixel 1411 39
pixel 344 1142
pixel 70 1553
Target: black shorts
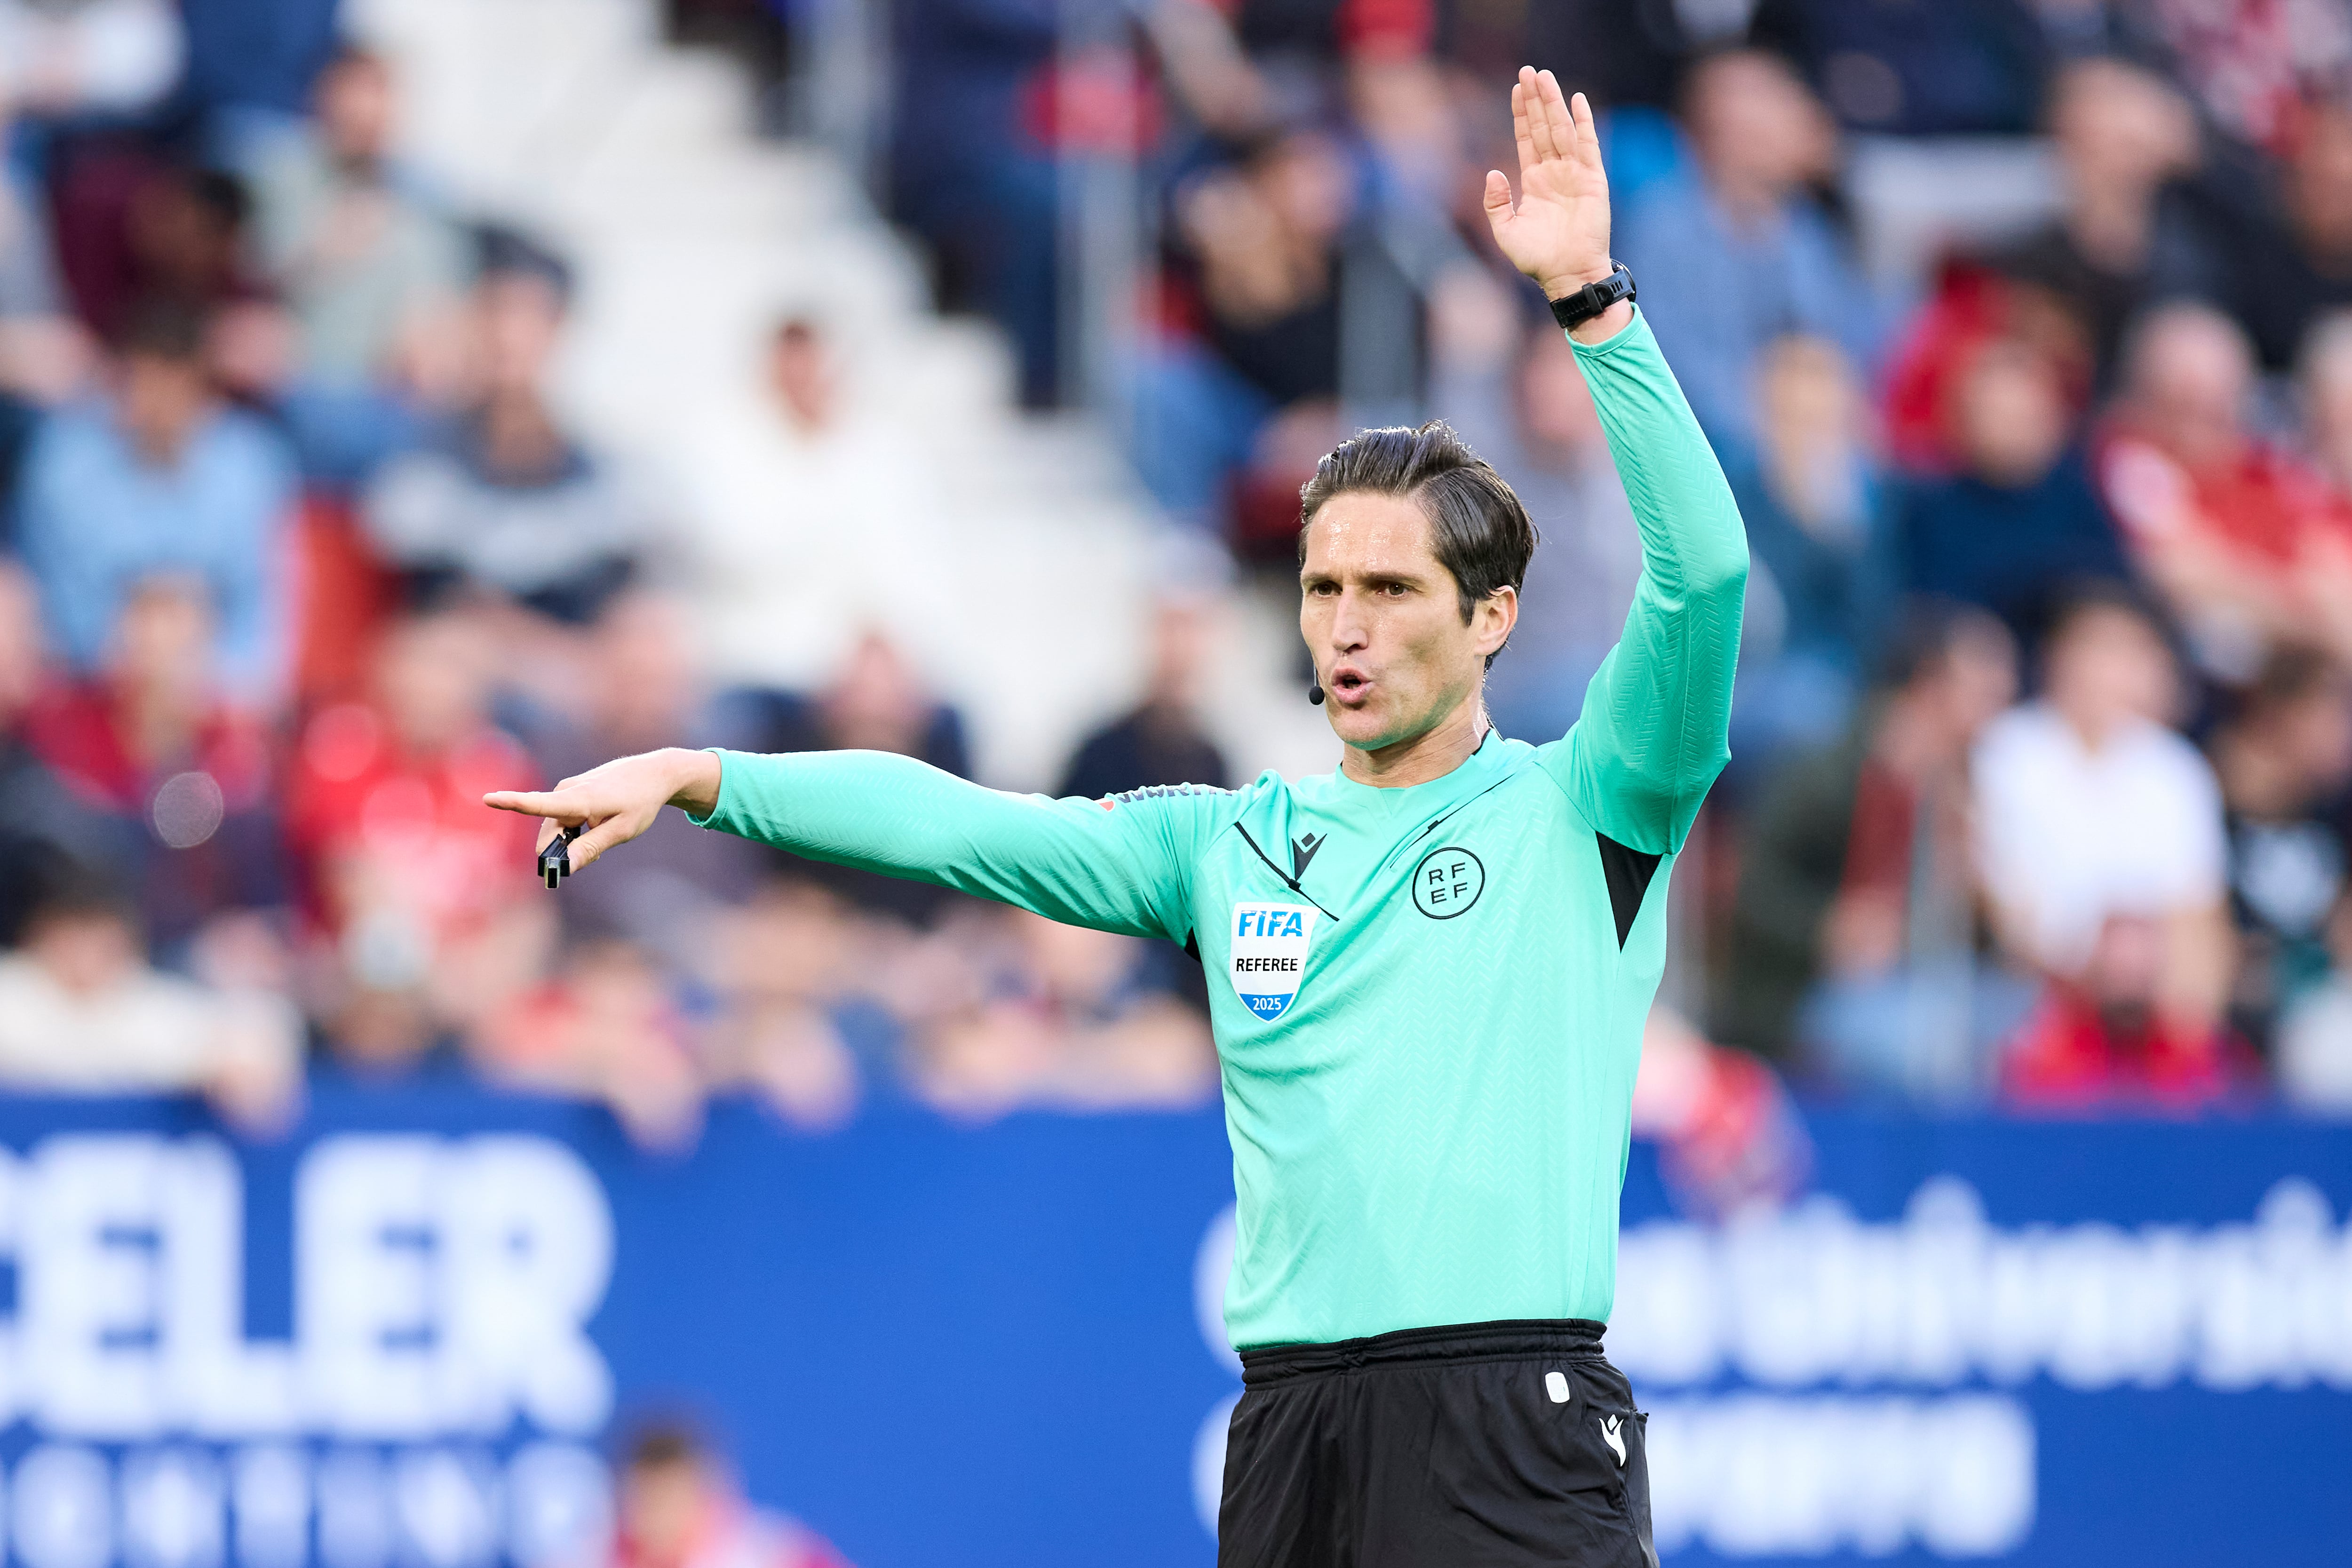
pixel 1450 1448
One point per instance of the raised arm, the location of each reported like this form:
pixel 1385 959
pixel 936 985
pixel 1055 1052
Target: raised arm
pixel 1122 866
pixel 1655 731
pixel 1656 723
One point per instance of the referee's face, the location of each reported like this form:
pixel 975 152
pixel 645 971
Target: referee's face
pixel 1383 618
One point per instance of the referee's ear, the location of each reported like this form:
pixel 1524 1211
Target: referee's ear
pixel 1492 620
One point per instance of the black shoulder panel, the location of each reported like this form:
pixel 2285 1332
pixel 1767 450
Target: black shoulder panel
pixel 1629 872
pixel 1192 946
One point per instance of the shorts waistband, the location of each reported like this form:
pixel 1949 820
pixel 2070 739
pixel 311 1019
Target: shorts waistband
pixel 1577 1337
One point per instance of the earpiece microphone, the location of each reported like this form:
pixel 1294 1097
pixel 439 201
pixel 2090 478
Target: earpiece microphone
pixel 1314 691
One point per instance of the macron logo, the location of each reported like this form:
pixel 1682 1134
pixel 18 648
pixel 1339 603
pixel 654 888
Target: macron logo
pixel 1302 853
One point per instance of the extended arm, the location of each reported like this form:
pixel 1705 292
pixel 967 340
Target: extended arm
pixel 1656 728
pixel 1119 867
pixel 1122 867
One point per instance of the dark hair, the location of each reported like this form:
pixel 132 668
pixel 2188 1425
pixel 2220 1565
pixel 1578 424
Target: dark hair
pixel 661 1443
pixel 219 196
pixel 2293 675
pixel 1930 631
pixel 349 54
pixel 158 329
pixel 2087 597
pixel 1477 528
pixel 70 890
pixel 501 251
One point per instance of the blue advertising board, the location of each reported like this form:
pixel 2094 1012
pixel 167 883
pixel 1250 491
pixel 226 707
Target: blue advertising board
pixel 400 1337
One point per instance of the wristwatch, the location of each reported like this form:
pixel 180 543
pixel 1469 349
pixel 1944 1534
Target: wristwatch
pixel 1574 309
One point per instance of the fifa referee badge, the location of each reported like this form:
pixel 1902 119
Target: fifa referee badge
pixel 1270 945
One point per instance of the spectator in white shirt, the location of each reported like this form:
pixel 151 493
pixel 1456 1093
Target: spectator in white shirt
pixel 2091 808
pixel 813 522
pixel 81 1013
pixel 362 256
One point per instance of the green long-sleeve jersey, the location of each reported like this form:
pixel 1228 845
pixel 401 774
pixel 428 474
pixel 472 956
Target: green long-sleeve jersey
pixel 1428 1001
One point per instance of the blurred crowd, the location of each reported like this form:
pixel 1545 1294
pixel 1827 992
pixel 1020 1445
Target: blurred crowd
pixel 2043 773
pixel 299 556
pixel 2023 330
pixel 679 1504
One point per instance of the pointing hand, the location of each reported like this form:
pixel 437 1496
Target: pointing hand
pixel 618 800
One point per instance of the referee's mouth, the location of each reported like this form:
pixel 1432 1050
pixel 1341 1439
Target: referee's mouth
pixel 1348 686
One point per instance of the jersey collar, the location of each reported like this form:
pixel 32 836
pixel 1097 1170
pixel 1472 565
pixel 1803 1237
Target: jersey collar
pixel 1492 758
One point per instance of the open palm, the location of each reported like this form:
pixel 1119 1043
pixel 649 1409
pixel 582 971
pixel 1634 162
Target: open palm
pixel 1557 231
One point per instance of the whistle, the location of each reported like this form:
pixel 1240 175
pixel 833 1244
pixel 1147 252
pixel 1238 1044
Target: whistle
pixel 555 860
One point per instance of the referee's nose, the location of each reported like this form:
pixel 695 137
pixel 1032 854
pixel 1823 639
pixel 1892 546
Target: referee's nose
pixel 1351 621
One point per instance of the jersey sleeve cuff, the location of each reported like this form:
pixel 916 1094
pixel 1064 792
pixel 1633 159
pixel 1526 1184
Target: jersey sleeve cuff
pixel 1632 331
pixel 719 800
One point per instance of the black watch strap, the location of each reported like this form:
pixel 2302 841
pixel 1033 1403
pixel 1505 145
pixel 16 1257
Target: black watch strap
pixel 1575 310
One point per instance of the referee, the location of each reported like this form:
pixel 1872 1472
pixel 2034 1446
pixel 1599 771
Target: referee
pixel 1430 968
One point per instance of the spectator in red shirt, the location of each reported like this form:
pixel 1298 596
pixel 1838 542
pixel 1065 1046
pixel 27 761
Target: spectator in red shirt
pixel 680 1508
pixel 2247 545
pixel 2102 1041
pixel 2126 236
pixel 424 896
pixel 2256 65
pixel 181 776
pixel 604 1028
